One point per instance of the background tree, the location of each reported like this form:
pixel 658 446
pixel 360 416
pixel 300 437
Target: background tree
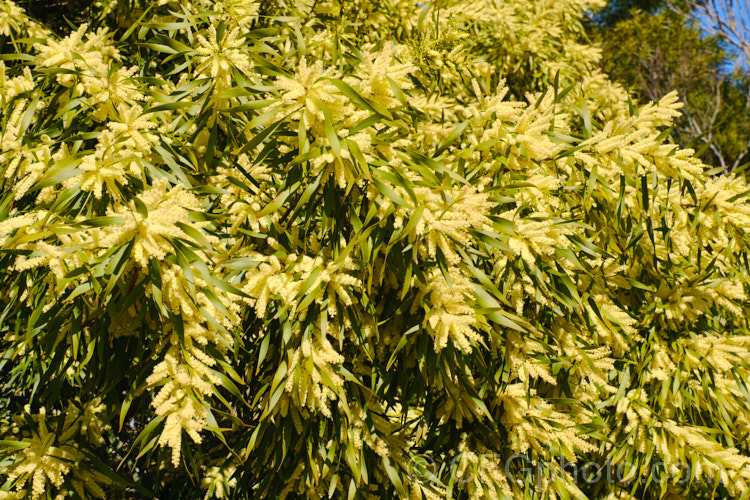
pixel 619 10
pixel 661 48
pixel 729 19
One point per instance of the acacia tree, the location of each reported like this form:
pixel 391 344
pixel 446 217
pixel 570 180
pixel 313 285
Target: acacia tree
pixel 359 249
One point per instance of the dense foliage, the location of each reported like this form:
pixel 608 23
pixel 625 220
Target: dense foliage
pixel 362 249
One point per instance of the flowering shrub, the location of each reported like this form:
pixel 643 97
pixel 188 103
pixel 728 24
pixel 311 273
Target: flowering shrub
pixel 310 249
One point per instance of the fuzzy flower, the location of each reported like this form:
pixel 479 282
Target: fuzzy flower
pixel 309 89
pixel 165 206
pixel 218 57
